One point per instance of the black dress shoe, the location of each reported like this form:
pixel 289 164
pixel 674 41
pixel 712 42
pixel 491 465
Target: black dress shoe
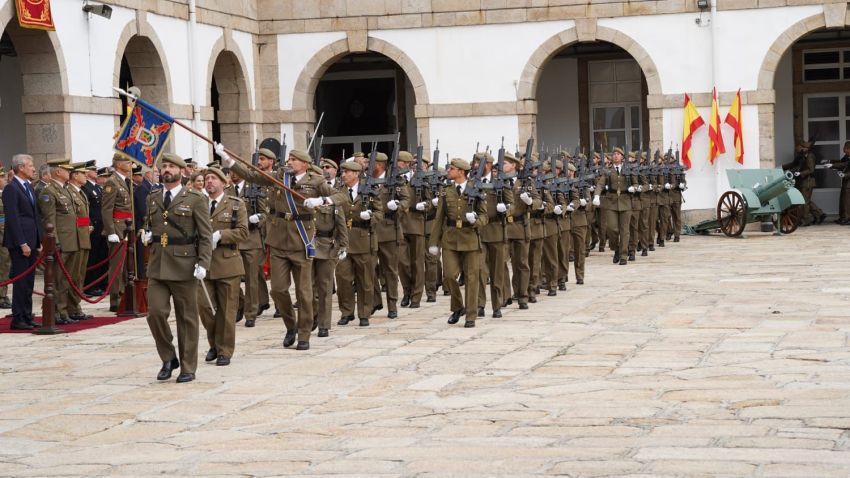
pixel 580 281
pixel 289 338
pixel 344 320
pixel 222 361
pixel 455 317
pixel 262 308
pixel 644 253
pixel 651 248
pixel 537 290
pixel 523 306
pixel 167 367
pixel 616 258
pixel 405 301
pixel 431 298
pixel 377 308
pixel 414 305
pixel 212 354
pixel 296 305
pixel 661 244
pixel 508 302
pixel 277 314
pixel 364 322
pixel 623 262
pixel 446 292
pixel 497 314
pixel 5 304
pixel 113 308
pixel 481 312
pixel 185 377
pixel 302 345
pixel 323 332
pixel 552 292
pixel 31 321
pixel 601 248
pixel 562 286
pixel 469 324
pixel 249 323
pixel 532 299
pixel 669 236
pixel 240 314
pixel 80 317
pixel 676 239
pixel 315 323
pixel 631 256
pixel 392 314
pixel 21 325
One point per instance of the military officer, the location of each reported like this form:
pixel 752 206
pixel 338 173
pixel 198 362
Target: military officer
pixel 617 188
pixel 5 258
pixel 229 223
pixel 77 267
pixel 331 245
pixel 180 239
pixel 412 260
pixel 518 230
pixel 291 232
pixel 56 206
pixel 117 209
pixel 455 230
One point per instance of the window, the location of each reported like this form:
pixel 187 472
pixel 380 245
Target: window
pixel 826 65
pixel 615 104
pixel 827 118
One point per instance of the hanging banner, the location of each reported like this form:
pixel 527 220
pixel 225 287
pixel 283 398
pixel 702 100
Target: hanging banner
pixel 35 14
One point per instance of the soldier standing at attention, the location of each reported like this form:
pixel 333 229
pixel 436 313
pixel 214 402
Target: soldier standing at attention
pixel 553 222
pixel 678 184
pixel 251 249
pixel 291 233
pixel 5 258
pixel 94 195
pixel 331 245
pixel 229 223
pixel 56 206
pixel 455 230
pixel 637 207
pixel 618 189
pixel 117 208
pixel 494 241
pixel 77 267
pixel 180 238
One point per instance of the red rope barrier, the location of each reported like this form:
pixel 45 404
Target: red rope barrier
pixel 25 273
pixel 80 293
pixel 105 261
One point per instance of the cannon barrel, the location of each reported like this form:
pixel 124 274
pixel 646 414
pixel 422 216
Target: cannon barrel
pixel 774 188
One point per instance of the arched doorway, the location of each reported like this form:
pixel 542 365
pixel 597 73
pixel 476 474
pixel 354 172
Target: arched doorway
pixel 141 66
pixel 30 78
pixel 229 99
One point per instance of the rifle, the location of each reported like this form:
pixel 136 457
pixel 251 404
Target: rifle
pixel 281 157
pixel 417 181
pixel 392 172
pixel 525 172
pixel 474 190
pixel 435 180
pixel 253 193
pixel 499 183
pixel 369 187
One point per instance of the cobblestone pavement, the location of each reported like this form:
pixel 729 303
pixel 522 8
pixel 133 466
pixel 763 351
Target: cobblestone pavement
pixel 714 356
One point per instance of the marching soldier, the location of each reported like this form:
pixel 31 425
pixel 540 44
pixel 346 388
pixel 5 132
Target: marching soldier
pixel 646 199
pixel 494 240
pixel 291 240
pixel 637 207
pixel 552 224
pixel 678 185
pixel 565 209
pixel 390 236
pixel 600 226
pixel 455 230
pixel 355 272
pixel 433 274
pixel 537 232
pixel 663 203
pixel 412 260
pixel 331 244
pixel 56 206
pixel 578 227
pixel 229 223
pixel 519 235
pixel 654 191
pixel 5 258
pixel 180 237
pixel 77 267
pixel 618 189
pixel 117 208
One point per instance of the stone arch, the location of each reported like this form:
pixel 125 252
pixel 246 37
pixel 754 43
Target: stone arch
pixel 45 84
pixel 233 116
pixel 148 63
pixel 782 43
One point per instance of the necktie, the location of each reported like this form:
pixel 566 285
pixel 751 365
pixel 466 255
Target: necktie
pixel 485 180
pixel 618 169
pixel 167 201
pixel 237 190
pixel 29 192
pixel 351 193
pixel 127 182
pixel 212 206
pixel 458 191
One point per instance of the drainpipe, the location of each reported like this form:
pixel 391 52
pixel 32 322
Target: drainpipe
pixel 193 80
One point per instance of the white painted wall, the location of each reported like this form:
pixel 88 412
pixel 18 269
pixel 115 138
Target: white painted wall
pixel 293 53
pixel 557 104
pixel 12 131
pixel 458 135
pixel 784 110
pixel 91 138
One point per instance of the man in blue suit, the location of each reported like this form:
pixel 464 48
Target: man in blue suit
pixel 22 238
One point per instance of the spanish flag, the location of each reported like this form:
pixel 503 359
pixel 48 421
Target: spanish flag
pixel 692 122
pixel 715 135
pixel 733 119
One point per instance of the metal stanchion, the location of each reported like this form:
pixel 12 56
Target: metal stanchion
pixel 48 307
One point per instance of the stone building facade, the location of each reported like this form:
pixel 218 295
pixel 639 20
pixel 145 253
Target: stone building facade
pixel 459 71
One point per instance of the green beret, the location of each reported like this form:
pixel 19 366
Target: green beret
pixel 329 162
pixel 426 159
pixel 117 157
pixel 460 164
pixel 405 156
pixel 300 156
pixel 381 157
pixel 510 157
pixel 618 150
pixel 214 169
pixel 267 153
pixel 486 156
pixel 352 166
pixel 174 159
pixel 571 167
pixel 315 168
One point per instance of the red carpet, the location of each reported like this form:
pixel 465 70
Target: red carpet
pixel 6 322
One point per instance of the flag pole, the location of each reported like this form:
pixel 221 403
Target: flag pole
pixel 230 153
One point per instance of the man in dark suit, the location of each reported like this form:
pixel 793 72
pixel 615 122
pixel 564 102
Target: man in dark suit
pixel 22 238
pixel 142 186
pixel 99 250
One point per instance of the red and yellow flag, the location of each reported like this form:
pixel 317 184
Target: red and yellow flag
pixel 733 119
pixel 715 135
pixel 692 122
pixel 35 14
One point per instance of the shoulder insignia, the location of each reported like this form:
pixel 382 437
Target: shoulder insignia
pixel 45 197
pixel 107 189
pixel 236 199
pixel 191 191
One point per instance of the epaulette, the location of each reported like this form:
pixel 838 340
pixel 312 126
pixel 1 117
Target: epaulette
pixel 156 189
pixel 192 191
pixel 234 198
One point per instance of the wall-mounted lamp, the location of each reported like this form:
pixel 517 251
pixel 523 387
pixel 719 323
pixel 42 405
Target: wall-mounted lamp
pixel 104 11
pixel 703 4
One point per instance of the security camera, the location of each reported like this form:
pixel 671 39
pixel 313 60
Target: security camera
pixel 104 11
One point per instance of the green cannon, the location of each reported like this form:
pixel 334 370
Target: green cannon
pixel 758 195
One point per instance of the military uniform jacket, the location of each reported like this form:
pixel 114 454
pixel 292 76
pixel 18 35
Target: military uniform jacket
pixel 675 191
pixel 81 203
pixel 186 225
pixel 518 224
pixel 56 206
pixel 331 230
pixel 117 205
pixel 578 217
pixel 2 215
pixel 281 231
pixel 566 220
pixel 662 196
pixel 616 197
pixel 497 222
pixel 94 195
pixel 451 230
pixel 231 219
pixel 361 234
pixel 390 227
pixel 259 206
pixel 550 222
pixel 413 221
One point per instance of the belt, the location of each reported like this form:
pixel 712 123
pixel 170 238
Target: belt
pixel 452 223
pixel 122 215
pixel 519 219
pixel 391 215
pixel 325 233
pixel 537 215
pixel 294 217
pixel 361 224
pixel 175 241
pixel 551 216
pixel 251 226
pixel 431 215
pixel 83 221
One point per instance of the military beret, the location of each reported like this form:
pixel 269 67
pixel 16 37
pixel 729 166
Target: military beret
pixel 174 159
pixel 214 169
pixel 566 153
pixel 426 159
pixel 352 166
pixel 117 157
pixel 103 172
pixel 359 154
pixel 510 157
pixel 571 167
pixel 267 153
pixel 631 155
pixel 405 156
pixel 329 162
pixel 596 155
pixel 460 164
pixel 300 155
pixel 547 166
pixel 487 157
pixel 381 157
pixel 315 168
pixel 618 150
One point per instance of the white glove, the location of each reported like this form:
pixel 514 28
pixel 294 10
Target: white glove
pixel 582 202
pixel 435 201
pixel 606 187
pixel 666 185
pixel 313 202
pixel 420 206
pixel 827 165
pixel 558 210
pixel 225 158
pixel 200 272
pixel 570 207
pixel 366 215
pixel 342 254
pixel 796 173
pixel 592 188
pixel 393 205
pixel 501 207
pixel 650 187
pixel 471 217
pixel 596 200
pixel 526 198
pixel 254 218
pixel 640 188
pixel 215 238
pixel 433 250
pixel 113 238
pixel 682 186
pixel 631 189
pixel 147 237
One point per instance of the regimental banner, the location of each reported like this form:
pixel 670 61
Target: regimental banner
pixel 144 134
pixel 35 14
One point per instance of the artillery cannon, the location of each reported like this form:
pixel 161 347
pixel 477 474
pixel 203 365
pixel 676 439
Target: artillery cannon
pixel 756 195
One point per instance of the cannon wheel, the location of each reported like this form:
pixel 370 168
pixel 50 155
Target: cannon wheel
pixel 790 219
pixel 732 213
